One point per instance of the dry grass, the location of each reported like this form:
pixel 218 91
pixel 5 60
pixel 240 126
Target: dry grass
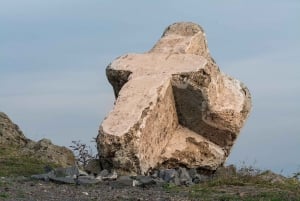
pixel 247 184
pixel 229 184
pixel 14 163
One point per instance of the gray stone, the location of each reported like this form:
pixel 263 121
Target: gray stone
pixel 144 181
pixel 168 175
pixel 70 175
pixel 63 180
pixel 193 172
pixel 111 176
pixel 89 177
pixel 184 176
pixel 44 177
pixel 87 180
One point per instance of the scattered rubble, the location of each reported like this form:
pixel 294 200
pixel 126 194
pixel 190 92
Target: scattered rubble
pixel 73 175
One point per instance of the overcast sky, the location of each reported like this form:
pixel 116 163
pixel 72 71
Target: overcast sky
pixel 53 56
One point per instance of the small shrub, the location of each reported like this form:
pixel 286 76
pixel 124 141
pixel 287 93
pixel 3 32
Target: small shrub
pixel 296 175
pixel 83 153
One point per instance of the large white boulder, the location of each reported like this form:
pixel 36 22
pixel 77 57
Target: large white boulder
pixel 173 107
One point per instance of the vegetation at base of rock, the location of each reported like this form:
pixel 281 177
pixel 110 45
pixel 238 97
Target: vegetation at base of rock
pixel 246 184
pixel 227 184
pixel 83 153
pixel 15 163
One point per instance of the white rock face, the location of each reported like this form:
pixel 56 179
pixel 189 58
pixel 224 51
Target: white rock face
pixel 173 107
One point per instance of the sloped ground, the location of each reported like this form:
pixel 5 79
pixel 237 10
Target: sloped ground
pixel 14 162
pixel 246 185
pixel 16 148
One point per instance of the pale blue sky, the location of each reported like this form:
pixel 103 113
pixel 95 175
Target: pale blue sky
pixel 53 56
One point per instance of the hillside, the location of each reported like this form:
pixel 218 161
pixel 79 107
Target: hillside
pixel 22 156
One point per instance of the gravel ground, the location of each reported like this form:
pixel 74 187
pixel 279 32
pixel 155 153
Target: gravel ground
pixel 34 190
pixel 25 189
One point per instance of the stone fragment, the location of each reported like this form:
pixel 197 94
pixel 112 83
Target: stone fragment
pixel 111 176
pixel 126 181
pixel 145 181
pixel 193 172
pixel 69 175
pixel 93 167
pixel 174 107
pixel 87 180
pixel 62 180
pixel 44 177
pixel 184 176
pixel 168 175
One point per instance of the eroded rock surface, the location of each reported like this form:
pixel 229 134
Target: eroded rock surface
pixel 173 108
pixel 11 135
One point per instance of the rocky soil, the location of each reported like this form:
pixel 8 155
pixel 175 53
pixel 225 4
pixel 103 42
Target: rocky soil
pixel 226 184
pixel 27 189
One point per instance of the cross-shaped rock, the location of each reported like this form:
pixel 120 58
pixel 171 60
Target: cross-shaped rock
pixel 174 107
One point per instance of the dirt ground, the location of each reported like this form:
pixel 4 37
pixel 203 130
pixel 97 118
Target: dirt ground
pixel 33 190
pixel 15 189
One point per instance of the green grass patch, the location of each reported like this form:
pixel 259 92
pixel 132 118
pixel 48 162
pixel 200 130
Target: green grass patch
pixel 3 195
pixel 15 163
pixel 271 196
pixel 245 185
pixel 170 187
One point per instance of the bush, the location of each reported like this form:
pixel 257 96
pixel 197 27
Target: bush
pixel 83 153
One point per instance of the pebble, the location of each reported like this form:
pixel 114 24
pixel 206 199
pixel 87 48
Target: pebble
pixel 85 193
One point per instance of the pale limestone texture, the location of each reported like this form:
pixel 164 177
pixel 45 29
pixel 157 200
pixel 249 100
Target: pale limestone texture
pixel 173 107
